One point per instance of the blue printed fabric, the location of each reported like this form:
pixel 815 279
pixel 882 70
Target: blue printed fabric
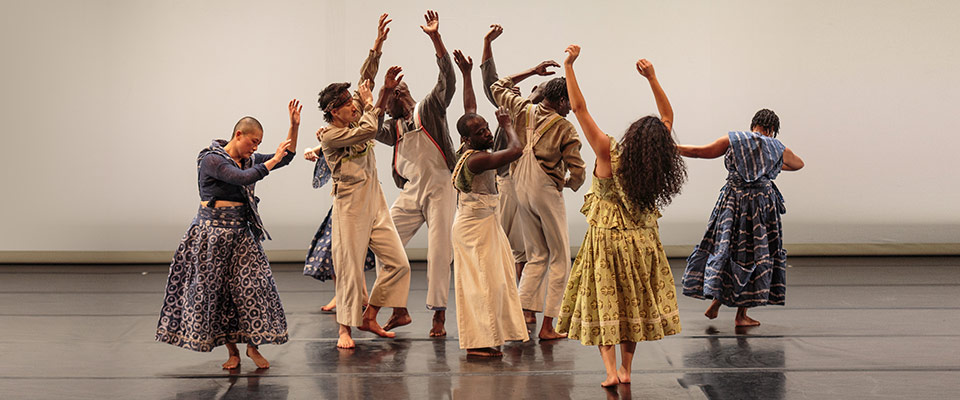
pixel 220 288
pixel 319 263
pixel 741 260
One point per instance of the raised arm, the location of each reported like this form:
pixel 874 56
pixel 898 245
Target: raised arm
pixel 503 92
pixel 791 161
pixel 599 141
pixel 466 69
pixel 482 161
pixel 390 82
pixel 712 150
pixel 368 71
pixel 645 68
pixel 293 110
pixel 442 93
pixel 488 69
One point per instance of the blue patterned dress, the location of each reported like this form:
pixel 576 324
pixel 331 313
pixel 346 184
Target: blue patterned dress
pixel 319 262
pixel 741 260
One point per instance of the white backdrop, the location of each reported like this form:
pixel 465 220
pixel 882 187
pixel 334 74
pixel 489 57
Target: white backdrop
pixel 105 104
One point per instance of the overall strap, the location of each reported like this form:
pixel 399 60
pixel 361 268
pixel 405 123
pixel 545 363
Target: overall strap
pixel 416 119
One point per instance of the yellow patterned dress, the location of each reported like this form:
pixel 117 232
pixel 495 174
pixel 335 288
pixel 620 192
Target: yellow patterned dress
pixel 620 288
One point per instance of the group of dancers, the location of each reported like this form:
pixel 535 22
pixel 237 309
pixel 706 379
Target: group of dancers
pixel 494 209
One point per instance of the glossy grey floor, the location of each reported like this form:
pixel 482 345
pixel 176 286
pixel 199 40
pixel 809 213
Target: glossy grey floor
pixel 853 328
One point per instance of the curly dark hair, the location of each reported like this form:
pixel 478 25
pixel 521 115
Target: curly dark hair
pixel 651 169
pixel 555 90
pixel 330 96
pixel 767 120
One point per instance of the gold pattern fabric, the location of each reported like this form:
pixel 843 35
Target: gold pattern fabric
pixel 621 288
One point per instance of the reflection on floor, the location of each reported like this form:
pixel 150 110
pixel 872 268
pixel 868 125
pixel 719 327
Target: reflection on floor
pixel 853 328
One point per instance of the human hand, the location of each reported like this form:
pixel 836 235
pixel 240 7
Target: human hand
pixel 541 69
pixel 465 63
pixel 495 31
pixel 645 68
pixel 293 108
pixel 320 133
pixel 392 78
pixel 310 155
pixel 282 149
pixel 364 89
pixel 573 51
pixel 382 29
pixel 432 25
pixel 503 117
pixel 515 90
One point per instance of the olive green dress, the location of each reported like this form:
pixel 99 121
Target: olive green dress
pixel 620 288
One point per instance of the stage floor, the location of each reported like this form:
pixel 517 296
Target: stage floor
pixel 854 327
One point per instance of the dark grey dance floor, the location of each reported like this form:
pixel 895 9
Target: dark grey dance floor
pixel 853 328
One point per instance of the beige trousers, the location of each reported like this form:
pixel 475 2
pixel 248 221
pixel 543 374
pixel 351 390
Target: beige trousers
pixel 361 220
pixel 429 198
pixel 488 306
pixel 507 211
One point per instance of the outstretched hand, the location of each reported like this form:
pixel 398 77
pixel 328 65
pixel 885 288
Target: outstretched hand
pixel 364 89
pixel 495 31
pixel 432 25
pixel 464 62
pixel 283 148
pixel 645 68
pixel 573 51
pixel 541 69
pixel 382 29
pixel 293 108
pixel 393 77
pixel 503 116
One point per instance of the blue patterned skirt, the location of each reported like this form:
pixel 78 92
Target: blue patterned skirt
pixel 741 260
pixel 220 288
pixel 319 262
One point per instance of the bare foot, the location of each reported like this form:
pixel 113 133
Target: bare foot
pixel 399 318
pixel 439 317
pixel 233 361
pixel 713 310
pixel 346 339
pixel 611 381
pixel 331 305
pixel 547 332
pixel 257 358
pixel 371 325
pixel 529 317
pixel 746 321
pixel 484 352
pixel 623 375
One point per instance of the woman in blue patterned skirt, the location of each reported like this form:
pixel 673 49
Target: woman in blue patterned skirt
pixel 220 290
pixel 741 261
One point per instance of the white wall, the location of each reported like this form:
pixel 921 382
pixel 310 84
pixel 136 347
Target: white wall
pixel 105 104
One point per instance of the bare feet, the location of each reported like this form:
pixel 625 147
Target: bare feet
pixel 742 320
pixel 547 332
pixel 399 318
pixel 439 317
pixel 713 309
pixel 485 352
pixel 611 381
pixel 623 375
pixel 529 317
pixel 257 358
pixel 346 339
pixel 331 305
pixel 234 360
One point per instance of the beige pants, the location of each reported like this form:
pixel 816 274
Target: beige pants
pixel 508 218
pixel 429 198
pixel 360 220
pixel 488 307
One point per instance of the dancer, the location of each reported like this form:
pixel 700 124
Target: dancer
pixel 551 149
pixel 220 290
pixel 741 261
pixel 488 306
pixel 319 261
pixel 360 217
pixel 621 290
pixel 422 160
pixel 508 194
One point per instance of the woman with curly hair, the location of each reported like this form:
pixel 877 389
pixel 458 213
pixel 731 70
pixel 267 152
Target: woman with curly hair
pixel 741 261
pixel 621 290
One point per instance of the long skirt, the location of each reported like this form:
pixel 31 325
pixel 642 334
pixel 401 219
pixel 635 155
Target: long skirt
pixel 319 263
pixel 488 305
pixel 220 288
